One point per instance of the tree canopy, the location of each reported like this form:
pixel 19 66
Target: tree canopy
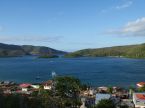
pixel 131 51
pixel 105 103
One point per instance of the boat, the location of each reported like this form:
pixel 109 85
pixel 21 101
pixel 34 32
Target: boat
pixel 38 77
pixel 53 74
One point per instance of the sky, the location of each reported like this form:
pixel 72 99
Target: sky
pixel 72 25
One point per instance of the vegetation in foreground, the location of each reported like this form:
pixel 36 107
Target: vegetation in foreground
pixel 105 103
pixel 64 94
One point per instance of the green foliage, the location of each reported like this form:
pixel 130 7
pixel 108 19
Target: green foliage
pixel 110 90
pixel 16 50
pixel 141 89
pixel 124 106
pixel 65 94
pixel 84 87
pixel 131 51
pixel 48 56
pixel 105 103
pixel 67 86
pixel 12 101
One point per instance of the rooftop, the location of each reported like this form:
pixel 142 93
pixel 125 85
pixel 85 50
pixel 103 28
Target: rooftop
pixel 140 96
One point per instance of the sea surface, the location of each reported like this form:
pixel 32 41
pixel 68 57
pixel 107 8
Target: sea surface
pixel 99 71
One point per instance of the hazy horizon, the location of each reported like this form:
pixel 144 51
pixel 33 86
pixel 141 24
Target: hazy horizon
pixel 71 25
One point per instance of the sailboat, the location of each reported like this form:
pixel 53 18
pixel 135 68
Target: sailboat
pixel 53 74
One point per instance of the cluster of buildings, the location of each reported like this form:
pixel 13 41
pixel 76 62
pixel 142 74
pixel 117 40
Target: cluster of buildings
pixel 9 87
pixel 139 98
pixel 93 96
pixel 120 96
pixel 89 97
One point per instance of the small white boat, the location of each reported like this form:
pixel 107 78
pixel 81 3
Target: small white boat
pixel 38 77
pixel 53 74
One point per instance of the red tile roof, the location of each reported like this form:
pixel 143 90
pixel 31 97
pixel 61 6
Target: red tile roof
pixel 140 96
pixel 25 85
pixel 49 82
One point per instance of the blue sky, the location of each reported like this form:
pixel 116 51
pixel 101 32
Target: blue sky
pixel 72 24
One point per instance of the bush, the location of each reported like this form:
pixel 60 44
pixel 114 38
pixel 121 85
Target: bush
pixel 105 103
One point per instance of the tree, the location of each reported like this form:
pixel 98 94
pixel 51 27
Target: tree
pixel 68 88
pixel 105 103
pixel 124 106
pixel 110 90
pixel 141 89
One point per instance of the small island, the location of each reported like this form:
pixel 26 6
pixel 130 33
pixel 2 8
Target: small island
pixel 48 56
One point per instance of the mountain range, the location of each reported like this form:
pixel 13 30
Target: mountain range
pixel 7 50
pixel 130 51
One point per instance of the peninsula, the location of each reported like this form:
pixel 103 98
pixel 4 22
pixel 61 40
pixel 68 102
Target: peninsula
pixel 130 51
pixel 7 50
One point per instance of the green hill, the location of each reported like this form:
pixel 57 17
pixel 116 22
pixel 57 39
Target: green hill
pixel 131 51
pixel 16 50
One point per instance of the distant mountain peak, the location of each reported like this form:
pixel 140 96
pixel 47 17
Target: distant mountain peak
pixel 18 50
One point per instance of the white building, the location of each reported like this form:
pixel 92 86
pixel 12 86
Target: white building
pixel 140 84
pixel 139 100
pixel 35 86
pixel 91 92
pixel 48 85
pixel 100 97
pixel 25 86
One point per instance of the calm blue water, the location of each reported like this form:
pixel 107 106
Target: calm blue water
pixel 95 71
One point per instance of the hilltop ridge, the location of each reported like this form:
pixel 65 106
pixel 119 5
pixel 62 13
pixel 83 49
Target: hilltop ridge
pixel 131 51
pixel 7 50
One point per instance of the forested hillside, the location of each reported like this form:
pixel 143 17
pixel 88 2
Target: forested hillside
pixel 131 51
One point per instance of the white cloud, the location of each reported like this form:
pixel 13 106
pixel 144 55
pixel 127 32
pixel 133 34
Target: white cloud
pixel 133 28
pixel 125 5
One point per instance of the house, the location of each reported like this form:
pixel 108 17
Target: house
pixel 7 91
pixel 35 86
pixel 88 92
pixel 48 85
pixel 6 82
pixel 140 84
pixel 91 92
pixel 25 87
pixel 139 100
pixel 100 97
pixel 102 89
